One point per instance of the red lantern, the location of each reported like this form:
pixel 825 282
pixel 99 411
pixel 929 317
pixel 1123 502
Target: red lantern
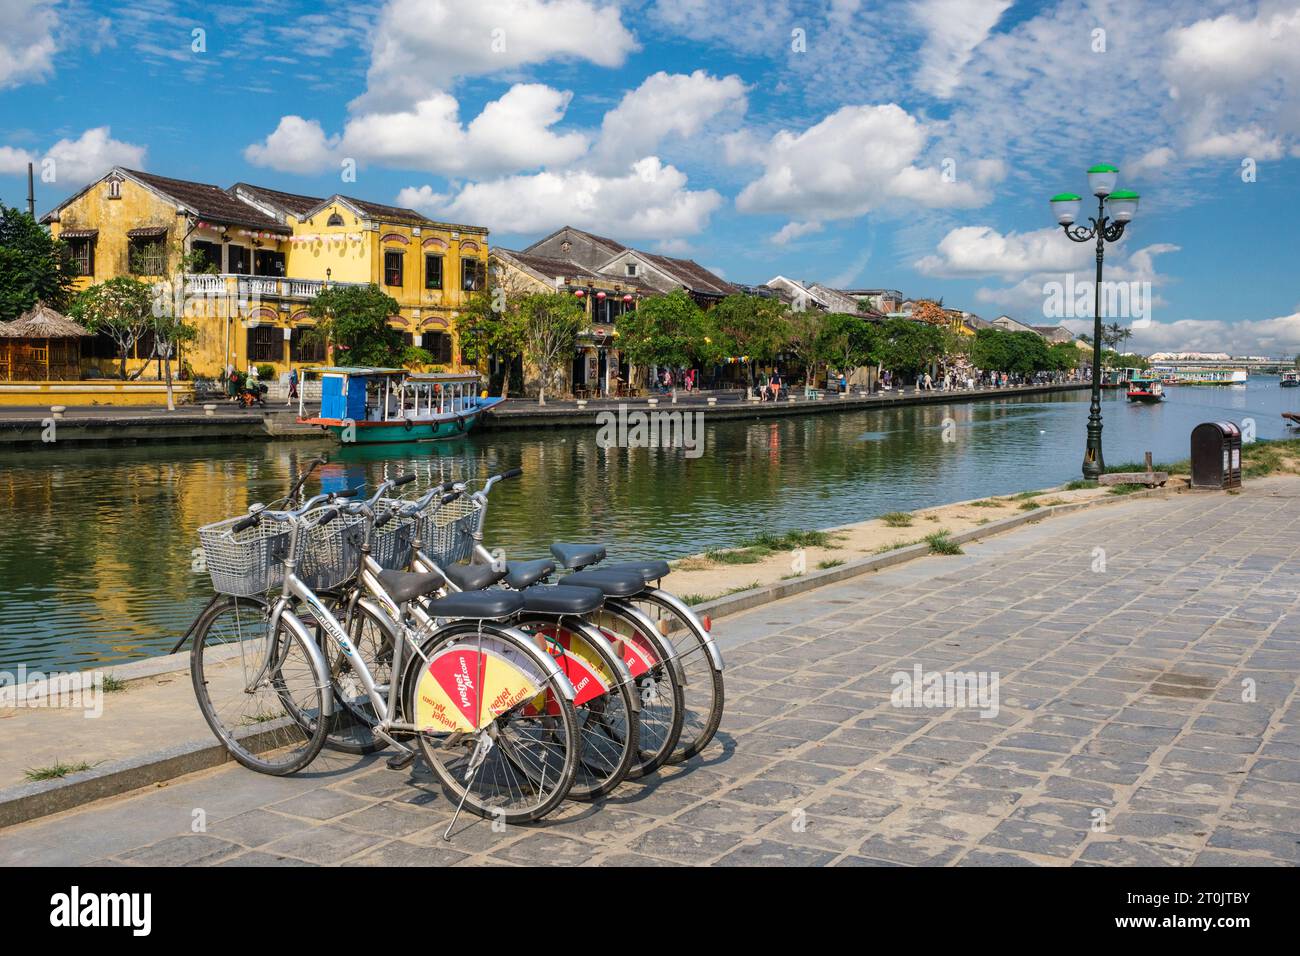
pixel 627 298
pixel 600 295
pixel 579 293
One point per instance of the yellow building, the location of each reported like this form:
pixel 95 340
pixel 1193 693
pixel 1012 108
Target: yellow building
pixel 267 255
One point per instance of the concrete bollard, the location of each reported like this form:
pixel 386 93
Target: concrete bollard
pixel 712 400
pixel 58 410
pixel 209 410
pixel 652 402
pixel 844 394
pixel 582 403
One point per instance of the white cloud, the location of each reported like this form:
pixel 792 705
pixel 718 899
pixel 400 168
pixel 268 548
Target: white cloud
pixel 13 162
pixel 983 251
pixel 510 134
pixel 78 161
pixel 296 146
pixel 954 29
pixel 421 46
pixel 858 159
pixel 27 41
pixel 1151 162
pixel 1278 337
pixel 650 201
pixel 1252 142
pixel 794 230
pixel 666 105
pixel 752 26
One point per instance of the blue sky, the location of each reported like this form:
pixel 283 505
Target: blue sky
pixel 910 144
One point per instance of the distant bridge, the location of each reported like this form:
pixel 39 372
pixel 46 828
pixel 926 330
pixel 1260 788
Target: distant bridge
pixel 1250 365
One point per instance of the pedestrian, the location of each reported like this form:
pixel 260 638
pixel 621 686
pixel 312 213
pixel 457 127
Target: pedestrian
pixel 293 386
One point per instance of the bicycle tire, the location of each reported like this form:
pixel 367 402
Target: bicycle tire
pixel 598 771
pixel 246 747
pixel 695 661
pixel 433 751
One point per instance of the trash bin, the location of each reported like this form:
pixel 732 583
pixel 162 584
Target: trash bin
pixel 1216 455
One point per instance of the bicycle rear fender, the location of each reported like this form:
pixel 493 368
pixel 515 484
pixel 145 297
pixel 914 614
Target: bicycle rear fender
pixel 683 610
pixel 640 620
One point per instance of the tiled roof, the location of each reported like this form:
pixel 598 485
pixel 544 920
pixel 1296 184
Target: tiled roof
pixel 209 202
pixel 691 274
pixel 376 210
pixel 291 203
pixel 549 266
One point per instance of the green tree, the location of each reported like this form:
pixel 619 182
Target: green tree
pixel 552 321
pixel 806 341
pixel 668 330
pixel 121 309
pixel 354 319
pixel 752 326
pixel 1028 353
pixel 991 350
pixel 848 341
pixel 1064 356
pixel 33 267
pixel 168 325
pixel 908 348
pixel 492 323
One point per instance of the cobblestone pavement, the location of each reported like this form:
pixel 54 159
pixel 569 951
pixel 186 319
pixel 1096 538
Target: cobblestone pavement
pixel 1147 655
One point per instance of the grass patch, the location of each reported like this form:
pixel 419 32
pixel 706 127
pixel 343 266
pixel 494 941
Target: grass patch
pixel 791 540
pixel 1053 501
pixel 1262 458
pixel 739 556
pixel 1029 505
pixel 932 518
pixel 1126 489
pixel 1182 466
pixel 827 565
pixel 1079 484
pixel 113 685
pixel 56 771
pixel 897 519
pixel 701 598
pixel 941 543
pixel 1026 495
pixel 984 521
pixel 886 548
pixel 986 503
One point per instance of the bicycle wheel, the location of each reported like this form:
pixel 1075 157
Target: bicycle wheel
pixel 703 691
pixel 484 709
pixel 647 654
pixel 606 705
pixel 260 693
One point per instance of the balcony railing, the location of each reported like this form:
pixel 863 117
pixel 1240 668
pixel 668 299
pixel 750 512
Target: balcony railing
pixel 245 286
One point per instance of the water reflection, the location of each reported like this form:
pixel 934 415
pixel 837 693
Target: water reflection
pixel 98 560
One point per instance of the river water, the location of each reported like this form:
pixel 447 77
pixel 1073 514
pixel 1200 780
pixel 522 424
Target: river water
pixel 96 562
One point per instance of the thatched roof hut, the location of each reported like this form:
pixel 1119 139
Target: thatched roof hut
pixel 41 345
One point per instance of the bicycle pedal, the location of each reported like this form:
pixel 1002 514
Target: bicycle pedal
pixel 401 761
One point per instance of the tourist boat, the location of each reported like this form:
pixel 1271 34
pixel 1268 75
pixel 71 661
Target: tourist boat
pixel 1205 376
pixel 373 405
pixel 1290 380
pixel 1148 390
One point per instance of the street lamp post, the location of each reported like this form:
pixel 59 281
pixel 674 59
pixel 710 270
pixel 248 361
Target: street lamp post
pixel 1122 204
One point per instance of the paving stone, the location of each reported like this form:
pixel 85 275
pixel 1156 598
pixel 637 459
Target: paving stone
pixel 324 844
pixel 547 848
pixel 771 853
pixel 684 844
pixel 400 853
pixel 190 849
pixel 320 804
pixel 721 816
pixel 256 827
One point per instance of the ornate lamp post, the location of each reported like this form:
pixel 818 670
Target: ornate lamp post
pixel 1122 204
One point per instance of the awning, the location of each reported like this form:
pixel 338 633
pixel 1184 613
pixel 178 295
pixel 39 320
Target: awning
pixel 147 232
pixel 79 234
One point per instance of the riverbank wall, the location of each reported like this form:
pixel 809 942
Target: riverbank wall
pixel 37 427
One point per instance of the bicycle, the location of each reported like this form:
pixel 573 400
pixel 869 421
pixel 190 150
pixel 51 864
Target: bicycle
pixel 633 589
pixel 645 650
pixel 607 706
pixel 268 696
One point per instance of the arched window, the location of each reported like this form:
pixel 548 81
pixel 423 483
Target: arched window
pixel 334 220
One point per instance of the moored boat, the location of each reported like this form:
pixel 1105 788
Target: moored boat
pixel 1290 380
pixel 373 405
pixel 1146 390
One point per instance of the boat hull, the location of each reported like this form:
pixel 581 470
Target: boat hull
pixel 394 432
pixel 1144 398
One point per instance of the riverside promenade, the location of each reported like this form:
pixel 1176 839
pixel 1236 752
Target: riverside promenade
pixel 1146 656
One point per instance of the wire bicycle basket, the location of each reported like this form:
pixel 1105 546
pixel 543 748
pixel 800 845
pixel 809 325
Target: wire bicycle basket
pixel 329 554
pixel 248 562
pixel 447 533
pixel 391 545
